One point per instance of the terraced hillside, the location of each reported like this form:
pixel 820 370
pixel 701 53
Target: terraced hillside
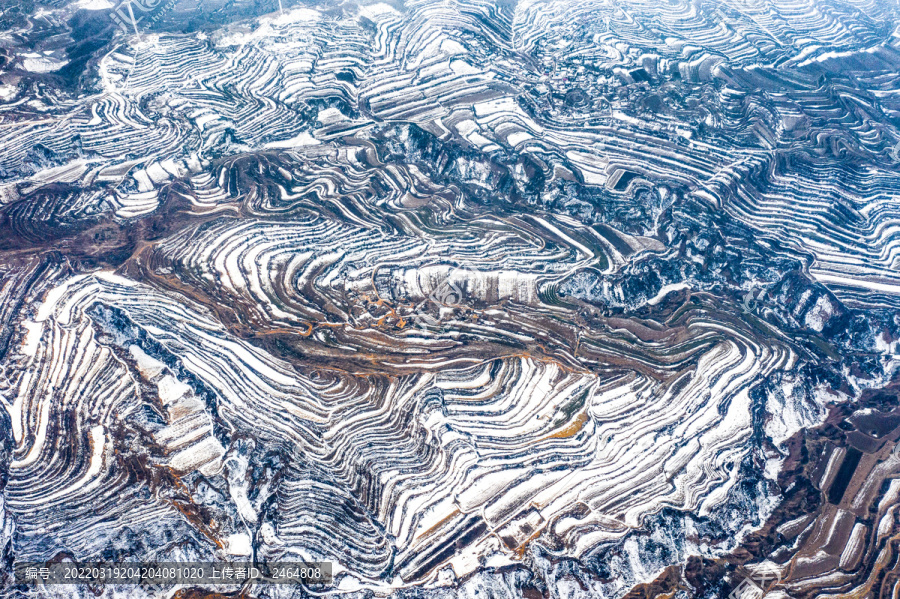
pixel 531 298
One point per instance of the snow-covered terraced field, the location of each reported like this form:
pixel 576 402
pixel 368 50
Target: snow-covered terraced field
pixel 516 298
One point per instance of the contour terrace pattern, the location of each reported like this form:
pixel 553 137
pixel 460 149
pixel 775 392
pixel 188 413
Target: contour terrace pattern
pixel 466 298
